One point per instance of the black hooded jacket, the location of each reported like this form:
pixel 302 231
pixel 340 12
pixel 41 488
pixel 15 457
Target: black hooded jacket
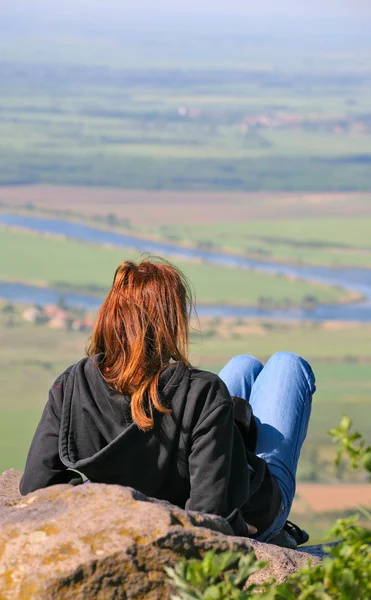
pixel 195 457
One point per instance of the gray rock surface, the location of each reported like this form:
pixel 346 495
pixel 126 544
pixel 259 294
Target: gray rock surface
pixel 317 551
pixel 108 542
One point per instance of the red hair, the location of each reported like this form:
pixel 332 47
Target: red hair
pixel 142 326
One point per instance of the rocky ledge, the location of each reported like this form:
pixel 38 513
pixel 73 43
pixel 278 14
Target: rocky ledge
pixel 106 542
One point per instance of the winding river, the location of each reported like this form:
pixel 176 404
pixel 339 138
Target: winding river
pixel 357 279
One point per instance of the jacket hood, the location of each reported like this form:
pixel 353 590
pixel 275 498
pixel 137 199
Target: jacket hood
pixel 97 435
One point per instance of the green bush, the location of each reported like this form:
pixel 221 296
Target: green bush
pixel 217 577
pixel 351 444
pixel 345 574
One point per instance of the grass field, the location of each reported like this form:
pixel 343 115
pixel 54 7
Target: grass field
pixel 219 112
pixel 345 342
pixel 66 264
pixel 352 232
pixel 59 135
pixel 335 241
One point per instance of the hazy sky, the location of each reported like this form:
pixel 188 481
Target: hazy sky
pixel 264 7
pixel 92 17
pixel 288 8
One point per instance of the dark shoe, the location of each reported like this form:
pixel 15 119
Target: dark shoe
pixel 284 540
pixel 290 536
pixel 300 535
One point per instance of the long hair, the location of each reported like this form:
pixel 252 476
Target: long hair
pixel 142 326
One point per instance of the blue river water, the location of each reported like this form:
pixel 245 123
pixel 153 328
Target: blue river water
pixel 357 279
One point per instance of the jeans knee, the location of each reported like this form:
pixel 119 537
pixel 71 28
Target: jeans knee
pixel 245 363
pixel 288 357
pixel 297 364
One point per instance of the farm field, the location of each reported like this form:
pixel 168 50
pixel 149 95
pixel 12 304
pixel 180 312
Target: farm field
pixel 335 241
pixel 153 209
pixel 227 110
pixel 345 342
pixel 317 506
pixel 321 498
pixel 72 265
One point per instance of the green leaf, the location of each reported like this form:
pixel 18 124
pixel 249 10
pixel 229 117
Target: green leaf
pixel 345 424
pixel 213 593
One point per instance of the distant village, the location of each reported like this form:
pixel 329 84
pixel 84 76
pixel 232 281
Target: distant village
pixel 56 317
pixel 285 120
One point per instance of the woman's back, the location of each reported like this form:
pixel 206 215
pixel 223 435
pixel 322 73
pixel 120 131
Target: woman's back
pixel 193 456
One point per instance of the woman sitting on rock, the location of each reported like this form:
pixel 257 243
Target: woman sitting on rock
pixel 136 413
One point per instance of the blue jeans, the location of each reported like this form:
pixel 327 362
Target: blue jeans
pixel 281 397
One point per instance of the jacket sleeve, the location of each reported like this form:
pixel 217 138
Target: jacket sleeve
pixel 43 466
pixel 210 461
